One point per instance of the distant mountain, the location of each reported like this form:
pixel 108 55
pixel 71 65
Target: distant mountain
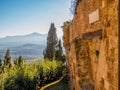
pixel 34 38
pixel 30 45
pixel 36 34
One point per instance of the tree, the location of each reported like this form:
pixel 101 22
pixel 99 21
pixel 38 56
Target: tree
pixel 7 58
pixel 59 52
pixel 0 61
pixel 15 61
pixel 0 65
pixel 20 60
pixel 52 40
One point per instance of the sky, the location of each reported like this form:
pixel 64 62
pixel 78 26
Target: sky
pixel 20 17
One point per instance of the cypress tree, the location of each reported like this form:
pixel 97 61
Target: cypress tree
pixel 52 40
pixel 59 52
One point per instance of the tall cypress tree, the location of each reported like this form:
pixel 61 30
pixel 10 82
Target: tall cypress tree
pixel 52 40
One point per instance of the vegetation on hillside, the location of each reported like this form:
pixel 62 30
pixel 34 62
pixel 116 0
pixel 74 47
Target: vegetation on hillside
pixel 28 76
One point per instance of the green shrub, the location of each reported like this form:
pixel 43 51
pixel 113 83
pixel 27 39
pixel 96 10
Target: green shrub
pixel 21 79
pixel 29 76
pixel 49 71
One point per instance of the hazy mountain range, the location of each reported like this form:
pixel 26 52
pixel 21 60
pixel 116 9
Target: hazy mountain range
pixel 30 45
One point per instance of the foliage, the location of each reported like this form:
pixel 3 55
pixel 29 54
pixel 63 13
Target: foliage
pixel 49 71
pixel 52 40
pixel 0 62
pixel 1 66
pixel 66 23
pixel 18 61
pixel 20 78
pixel 59 52
pixel 29 76
pixel 15 61
pixel 59 56
pixel 7 58
pixel 54 47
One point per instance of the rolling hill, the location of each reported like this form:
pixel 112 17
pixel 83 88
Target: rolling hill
pixel 30 45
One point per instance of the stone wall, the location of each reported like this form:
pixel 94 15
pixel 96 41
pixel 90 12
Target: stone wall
pixel 91 45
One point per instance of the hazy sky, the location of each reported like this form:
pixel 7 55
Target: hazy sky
pixel 19 17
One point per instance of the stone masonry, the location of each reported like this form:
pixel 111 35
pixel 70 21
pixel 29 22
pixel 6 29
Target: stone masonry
pixel 91 45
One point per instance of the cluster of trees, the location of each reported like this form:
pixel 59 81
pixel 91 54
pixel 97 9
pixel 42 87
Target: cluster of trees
pixel 6 63
pixel 54 47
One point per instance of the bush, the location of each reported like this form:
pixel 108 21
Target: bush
pixel 49 71
pixel 30 76
pixel 22 79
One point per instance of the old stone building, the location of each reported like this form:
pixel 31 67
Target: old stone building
pixel 91 45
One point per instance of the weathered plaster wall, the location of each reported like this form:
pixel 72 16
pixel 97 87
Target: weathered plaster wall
pixel 92 48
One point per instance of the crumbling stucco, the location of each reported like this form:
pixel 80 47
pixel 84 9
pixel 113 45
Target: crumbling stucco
pixel 92 47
